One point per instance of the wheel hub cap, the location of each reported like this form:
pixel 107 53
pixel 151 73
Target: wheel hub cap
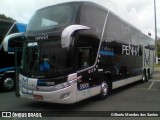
pixel 8 83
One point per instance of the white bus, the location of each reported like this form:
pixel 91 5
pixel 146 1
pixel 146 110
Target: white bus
pixel 77 50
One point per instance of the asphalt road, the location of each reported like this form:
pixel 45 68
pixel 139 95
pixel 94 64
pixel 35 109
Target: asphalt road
pixel 135 97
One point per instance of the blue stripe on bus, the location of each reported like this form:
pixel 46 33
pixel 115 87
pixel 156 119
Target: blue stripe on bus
pixel 106 53
pixel 6 69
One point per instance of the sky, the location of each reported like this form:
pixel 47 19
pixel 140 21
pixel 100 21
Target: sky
pixel 139 13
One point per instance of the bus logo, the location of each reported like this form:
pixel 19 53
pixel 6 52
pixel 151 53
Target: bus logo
pixel 130 50
pixel 42 37
pixel 24 81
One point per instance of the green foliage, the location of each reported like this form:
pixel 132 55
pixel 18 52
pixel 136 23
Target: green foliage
pixel 158 50
pixel 2 16
pixel 157 65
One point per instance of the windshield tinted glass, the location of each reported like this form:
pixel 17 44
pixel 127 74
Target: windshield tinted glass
pixel 53 17
pixel 46 58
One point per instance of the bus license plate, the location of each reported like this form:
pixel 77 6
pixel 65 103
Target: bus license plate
pixel 38 97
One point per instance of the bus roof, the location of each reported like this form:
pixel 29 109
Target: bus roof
pixel 80 2
pixel 7 21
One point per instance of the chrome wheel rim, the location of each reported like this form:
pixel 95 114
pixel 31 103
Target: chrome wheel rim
pixel 8 83
pixel 104 88
pixel 143 78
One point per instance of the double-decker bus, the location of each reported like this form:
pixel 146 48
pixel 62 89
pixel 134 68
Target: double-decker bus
pixel 77 50
pixel 9 29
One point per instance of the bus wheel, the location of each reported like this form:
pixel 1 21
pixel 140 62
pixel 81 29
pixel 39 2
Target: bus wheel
pixel 7 84
pixel 104 90
pixel 145 77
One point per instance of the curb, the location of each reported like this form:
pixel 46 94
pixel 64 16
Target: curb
pixel 157 70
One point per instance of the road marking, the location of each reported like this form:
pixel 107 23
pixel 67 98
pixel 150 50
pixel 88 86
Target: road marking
pixel 148 89
pixel 151 85
pixel 154 80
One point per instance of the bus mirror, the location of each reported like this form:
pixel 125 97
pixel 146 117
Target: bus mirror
pixel 68 31
pixel 9 40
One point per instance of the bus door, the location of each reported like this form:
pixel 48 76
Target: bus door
pixel 89 77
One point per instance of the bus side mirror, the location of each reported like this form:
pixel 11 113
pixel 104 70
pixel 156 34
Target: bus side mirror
pixel 68 31
pixel 13 40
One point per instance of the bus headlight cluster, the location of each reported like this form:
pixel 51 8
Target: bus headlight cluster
pixel 65 95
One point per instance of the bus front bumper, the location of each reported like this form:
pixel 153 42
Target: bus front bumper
pixel 63 96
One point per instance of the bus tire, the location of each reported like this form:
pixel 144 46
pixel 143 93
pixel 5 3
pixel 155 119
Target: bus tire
pixel 104 90
pixel 149 74
pixel 8 84
pixel 145 77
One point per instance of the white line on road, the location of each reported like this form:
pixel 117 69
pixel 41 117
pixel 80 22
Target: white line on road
pixel 154 80
pixel 151 85
pixel 148 89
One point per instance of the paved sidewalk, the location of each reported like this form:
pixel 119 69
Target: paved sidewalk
pixel 157 69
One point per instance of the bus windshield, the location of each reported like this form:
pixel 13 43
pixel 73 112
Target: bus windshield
pixel 53 17
pixel 46 58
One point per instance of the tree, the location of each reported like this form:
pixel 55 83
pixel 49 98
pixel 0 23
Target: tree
pixel 158 47
pixel 158 50
pixel 2 16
